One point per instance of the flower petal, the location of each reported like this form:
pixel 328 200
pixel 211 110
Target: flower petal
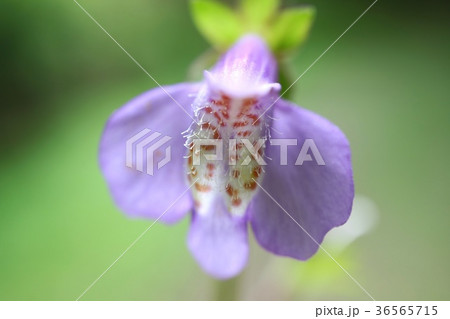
pixel 136 193
pixel 247 69
pixel 219 242
pixel 318 197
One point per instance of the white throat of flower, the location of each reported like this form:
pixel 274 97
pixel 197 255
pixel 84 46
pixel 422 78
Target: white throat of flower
pixel 236 124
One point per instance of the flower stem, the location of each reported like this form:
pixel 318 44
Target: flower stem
pixel 227 290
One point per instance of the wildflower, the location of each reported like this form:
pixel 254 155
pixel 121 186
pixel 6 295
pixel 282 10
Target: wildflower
pixel 234 101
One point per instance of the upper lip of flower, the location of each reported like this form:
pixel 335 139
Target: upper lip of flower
pixel 241 89
pixel 318 197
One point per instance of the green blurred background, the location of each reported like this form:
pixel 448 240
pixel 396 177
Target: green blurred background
pixel 385 83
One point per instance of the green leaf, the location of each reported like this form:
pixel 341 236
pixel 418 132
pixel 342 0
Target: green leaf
pixel 291 28
pixel 217 22
pixel 257 12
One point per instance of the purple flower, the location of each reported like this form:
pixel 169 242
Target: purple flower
pixel 233 103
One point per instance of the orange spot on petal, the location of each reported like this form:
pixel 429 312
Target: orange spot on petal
pixel 208 147
pixel 239 124
pixel 208 109
pixel 202 188
pixel 250 185
pixel 229 189
pixel 236 201
pixel 256 172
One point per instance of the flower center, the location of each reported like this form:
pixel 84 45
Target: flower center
pixel 232 128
